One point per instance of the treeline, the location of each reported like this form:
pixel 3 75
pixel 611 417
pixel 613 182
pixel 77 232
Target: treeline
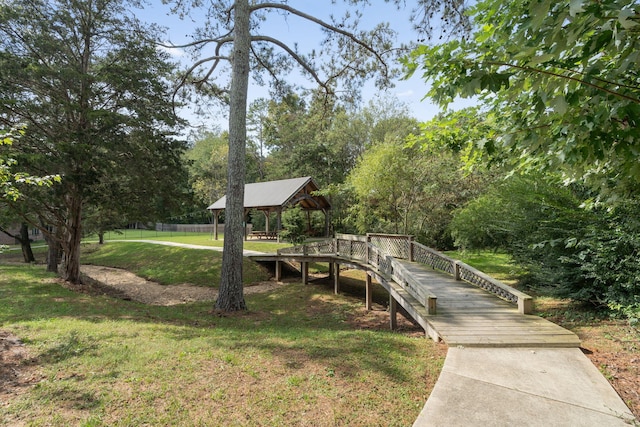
pixel 385 172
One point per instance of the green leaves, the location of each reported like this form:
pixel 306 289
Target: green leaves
pixel 10 180
pixel 560 77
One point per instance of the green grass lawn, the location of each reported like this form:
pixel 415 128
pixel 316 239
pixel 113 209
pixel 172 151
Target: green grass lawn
pixel 299 356
pixel 168 265
pixel 495 264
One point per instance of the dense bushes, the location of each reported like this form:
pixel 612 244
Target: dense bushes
pixel 585 254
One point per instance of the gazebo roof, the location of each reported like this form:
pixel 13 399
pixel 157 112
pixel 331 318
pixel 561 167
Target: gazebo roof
pixel 277 194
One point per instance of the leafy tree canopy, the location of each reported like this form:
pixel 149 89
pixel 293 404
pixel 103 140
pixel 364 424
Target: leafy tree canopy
pixel 561 81
pixel 94 91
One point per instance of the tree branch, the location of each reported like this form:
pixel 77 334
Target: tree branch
pixel 562 76
pixel 294 55
pixel 216 60
pixel 323 24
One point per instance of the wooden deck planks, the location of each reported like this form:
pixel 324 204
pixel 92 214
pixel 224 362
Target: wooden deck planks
pixel 466 315
pixel 472 317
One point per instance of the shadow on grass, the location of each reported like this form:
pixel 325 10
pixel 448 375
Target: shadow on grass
pixel 295 324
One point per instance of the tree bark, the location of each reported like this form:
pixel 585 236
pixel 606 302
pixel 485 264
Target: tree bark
pixel 25 243
pixel 54 252
pixel 72 238
pixel 231 295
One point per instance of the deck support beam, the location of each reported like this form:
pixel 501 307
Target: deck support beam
pixel 278 270
pixel 336 278
pixel 368 294
pixel 304 267
pixel 393 313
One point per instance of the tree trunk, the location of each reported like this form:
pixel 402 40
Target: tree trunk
pixel 101 238
pixel 25 243
pixel 54 252
pixel 72 238
pixel 230 296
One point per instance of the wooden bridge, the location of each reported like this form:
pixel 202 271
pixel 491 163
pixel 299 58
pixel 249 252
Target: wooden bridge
pixel 451 300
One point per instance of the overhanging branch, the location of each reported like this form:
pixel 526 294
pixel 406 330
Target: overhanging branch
pixel 563 76
pixel 323 24
pixel 294 55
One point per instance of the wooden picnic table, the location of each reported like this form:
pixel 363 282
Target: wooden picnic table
pixel 270 235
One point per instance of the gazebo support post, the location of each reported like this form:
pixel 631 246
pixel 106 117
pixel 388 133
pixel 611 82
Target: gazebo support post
pixel 326 222
pixel 279 222
pixel 266 220
pixel 246 225
pixel 216 214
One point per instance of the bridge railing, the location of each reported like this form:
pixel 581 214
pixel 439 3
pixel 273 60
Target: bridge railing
pixel 382 250
pixel 322 247
pixel 465 272
pixel 351 246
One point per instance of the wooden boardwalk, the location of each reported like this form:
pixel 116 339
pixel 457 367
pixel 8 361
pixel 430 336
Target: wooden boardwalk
pixel 472 317
pixel 451 300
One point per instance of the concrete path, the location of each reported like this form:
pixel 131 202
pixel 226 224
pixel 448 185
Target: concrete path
pixel 185 245
pixel 508 369
pixel 522 387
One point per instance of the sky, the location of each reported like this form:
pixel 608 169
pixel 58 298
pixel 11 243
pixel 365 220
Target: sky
pixel 307 35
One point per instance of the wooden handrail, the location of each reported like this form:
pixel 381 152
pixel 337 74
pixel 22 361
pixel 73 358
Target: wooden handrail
pixel 388 265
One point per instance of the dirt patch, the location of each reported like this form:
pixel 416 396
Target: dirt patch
pixel 17 372
pixel 126 285
pixel 614 347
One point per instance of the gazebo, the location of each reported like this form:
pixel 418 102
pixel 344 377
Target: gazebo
pixel 275 196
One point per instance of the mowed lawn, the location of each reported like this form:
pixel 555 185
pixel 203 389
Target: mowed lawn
pixel 300 356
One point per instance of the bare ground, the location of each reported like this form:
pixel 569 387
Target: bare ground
pixel 123 284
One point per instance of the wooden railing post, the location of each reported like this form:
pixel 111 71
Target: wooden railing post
pixel 430 304
pixel 410 248
pixel 456 270
pixel 525 305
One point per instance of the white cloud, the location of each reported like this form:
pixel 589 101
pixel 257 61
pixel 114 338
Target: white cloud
pixel 173 51
pixel 405 94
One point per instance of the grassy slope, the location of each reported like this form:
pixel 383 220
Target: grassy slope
pixel 294 359
pixel 167 265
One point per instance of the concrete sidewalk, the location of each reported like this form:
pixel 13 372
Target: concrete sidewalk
pixel 522 387
pixel 185 245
